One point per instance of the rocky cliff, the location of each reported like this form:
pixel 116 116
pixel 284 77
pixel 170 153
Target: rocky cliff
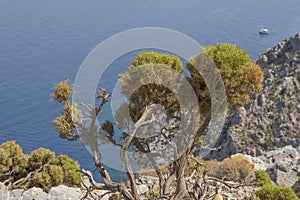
pixel 272 119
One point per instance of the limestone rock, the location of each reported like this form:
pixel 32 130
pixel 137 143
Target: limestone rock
pixel 259 164
pixel 16 194
pixel 3 192
pixel 63 192
pixel 34 193
pixel 296 188
pixel 283 165
pixel 142 189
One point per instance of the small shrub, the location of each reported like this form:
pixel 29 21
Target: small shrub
pixel 269 144
pixel 262 178
pixel 212 166
pixel 272 192
pixel 252 197
pixel 12 159
pixel 50 176
pixel 40 157
pixel 235 168
pixel 70 167
pixel 5 161
pixel 39 169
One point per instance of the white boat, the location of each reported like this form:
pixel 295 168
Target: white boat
pixel 264 31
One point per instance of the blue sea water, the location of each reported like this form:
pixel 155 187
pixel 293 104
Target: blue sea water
pixel 44 42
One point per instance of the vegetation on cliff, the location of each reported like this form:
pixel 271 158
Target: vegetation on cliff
pixel 40 168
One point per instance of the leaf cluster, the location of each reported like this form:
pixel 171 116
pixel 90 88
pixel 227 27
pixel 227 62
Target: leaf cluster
pixel 241 77
pixel 268 191
pixel 65 123
pixel 274 192
pixel 150 93
pixel 262 178
pixel 12 159
pixel 152 57
pixel 62 91
pixel 41 168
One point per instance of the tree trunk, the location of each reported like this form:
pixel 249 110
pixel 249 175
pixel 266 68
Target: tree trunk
pixel 181 189
pixel 168 182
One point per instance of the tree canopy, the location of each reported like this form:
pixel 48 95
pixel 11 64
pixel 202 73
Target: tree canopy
pixel 240 75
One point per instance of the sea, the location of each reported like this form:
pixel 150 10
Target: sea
pixel 44 42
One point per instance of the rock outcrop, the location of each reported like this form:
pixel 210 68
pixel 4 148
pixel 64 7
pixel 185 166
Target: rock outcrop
pixel 283 165
pixel 3 191
pixel 60 192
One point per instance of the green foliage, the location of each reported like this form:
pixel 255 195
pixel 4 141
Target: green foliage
pixel 269 191
pixel 252 197
pixel 150 93
pixel 241 77
pixel 62 91
pixel 153 195
pixel 65 123
pixel 12 148
pixel 269 144
pixel 70 167
pixel 151 57
pixel 5 161
pixel 12 159
pixel 40 157
pixel 40 169
pixel 273 192
pixel 50 176
pixel 262 178
pixel 227 57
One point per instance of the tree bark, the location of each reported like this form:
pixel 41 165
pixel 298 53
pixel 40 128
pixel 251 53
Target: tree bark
pixel 181 190
pixel 128 168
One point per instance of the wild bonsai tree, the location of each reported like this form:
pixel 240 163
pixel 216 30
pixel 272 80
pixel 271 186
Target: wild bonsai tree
pixel 241 77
